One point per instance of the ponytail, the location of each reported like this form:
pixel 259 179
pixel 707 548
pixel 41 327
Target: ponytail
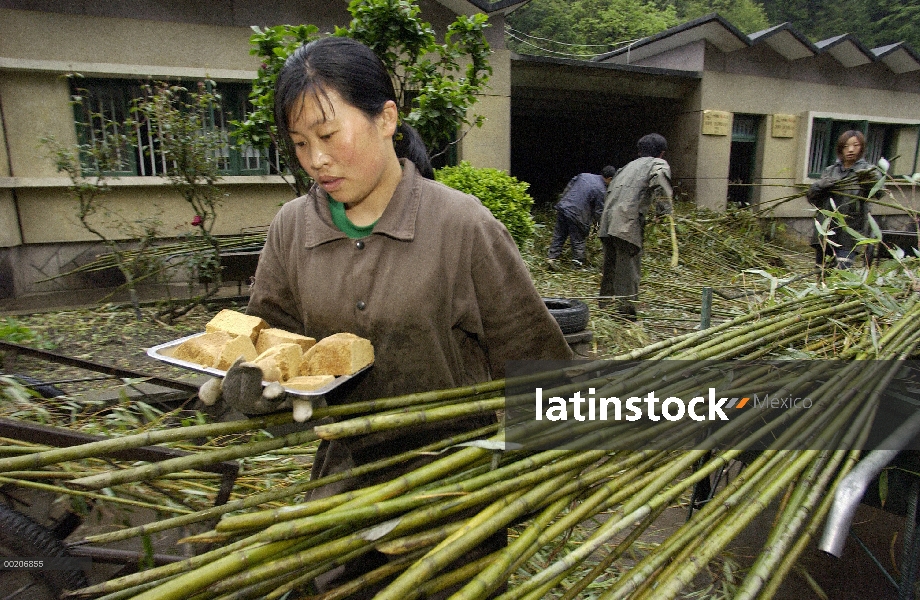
pixel 409 144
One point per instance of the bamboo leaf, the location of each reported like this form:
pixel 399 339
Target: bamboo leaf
pixel 375 533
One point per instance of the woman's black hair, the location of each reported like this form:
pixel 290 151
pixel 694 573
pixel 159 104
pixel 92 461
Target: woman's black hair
pixel 652 144
pixel 353 71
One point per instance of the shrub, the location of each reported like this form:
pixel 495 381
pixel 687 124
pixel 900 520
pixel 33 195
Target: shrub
pixel 501 193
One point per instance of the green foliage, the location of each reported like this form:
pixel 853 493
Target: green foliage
pixel 501 193
pixel 15 332
pixel 585 28
pixel 875 23
pixel 273 45
pixel 436 83
pixel 747 15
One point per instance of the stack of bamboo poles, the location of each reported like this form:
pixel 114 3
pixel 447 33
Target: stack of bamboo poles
pixel 428 518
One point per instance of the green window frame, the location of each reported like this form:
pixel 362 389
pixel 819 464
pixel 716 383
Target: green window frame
pixel 824 134
pixel 106 103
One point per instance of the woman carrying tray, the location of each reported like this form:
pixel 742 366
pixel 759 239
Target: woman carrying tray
pixel 375 248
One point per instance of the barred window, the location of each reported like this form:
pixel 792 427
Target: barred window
pixel 105 107
pixel 887 140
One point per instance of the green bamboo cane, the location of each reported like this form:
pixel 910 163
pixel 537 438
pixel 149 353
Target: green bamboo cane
pixel 274 495
pixel 745 324
pixel 802 541
pixel 720 346
pixel 537 534
pixel 777 545
pixel 670 584
pixel 455 577
pixel 148 438
pixel 355 585
pixel 613 556
pixel 161 573
pixel 55 489
pixel 334 554
pixel 478 529
pixel 715 539
pixel 263 519
pixel 617 523
pixel 757 347
pixel 172 465
pixel 181 587
pixel 490 577
pixel 425 539
pixel 251 592
pixel 669 346
pixel 239 560
pixel 127 594
pixel 765 467
pixel 364 425
pixel 387 508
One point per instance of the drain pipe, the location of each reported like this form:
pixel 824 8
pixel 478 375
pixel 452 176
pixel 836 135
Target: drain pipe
pixel 851 490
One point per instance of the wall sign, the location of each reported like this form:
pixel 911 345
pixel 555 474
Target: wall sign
pixel 783 126
pixel 716 122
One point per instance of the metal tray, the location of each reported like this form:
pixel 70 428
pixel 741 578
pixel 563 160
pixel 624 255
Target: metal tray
pixel 164 352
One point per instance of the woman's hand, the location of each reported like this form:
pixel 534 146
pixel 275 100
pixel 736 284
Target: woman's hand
pixel 241 389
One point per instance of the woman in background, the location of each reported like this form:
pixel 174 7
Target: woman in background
pixel 849 181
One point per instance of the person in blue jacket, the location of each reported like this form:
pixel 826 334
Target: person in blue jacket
pixel 579 206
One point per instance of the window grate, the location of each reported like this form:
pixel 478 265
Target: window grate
pixel 106 106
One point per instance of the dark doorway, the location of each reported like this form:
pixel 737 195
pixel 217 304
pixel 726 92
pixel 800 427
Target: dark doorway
pixel 743 159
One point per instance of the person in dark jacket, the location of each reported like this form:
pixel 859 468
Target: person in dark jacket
pixel 849 182
pixel 579 207
pixel 629 197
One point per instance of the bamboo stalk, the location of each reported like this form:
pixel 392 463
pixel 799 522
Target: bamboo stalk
pixel 172 465
pixel 147 438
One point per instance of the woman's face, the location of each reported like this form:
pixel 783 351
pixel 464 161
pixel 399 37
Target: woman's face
pixel 852 149
pixel 344 151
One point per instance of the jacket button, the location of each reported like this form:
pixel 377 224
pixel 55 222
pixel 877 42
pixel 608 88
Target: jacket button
pixel 361 305
pixel 359 245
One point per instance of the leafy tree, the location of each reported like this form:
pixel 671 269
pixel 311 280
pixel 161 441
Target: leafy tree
pixel 584 28
pixel 747 15
pixel 436 83
pixel 875 23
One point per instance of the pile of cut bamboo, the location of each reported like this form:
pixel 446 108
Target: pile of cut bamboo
pixel 266 544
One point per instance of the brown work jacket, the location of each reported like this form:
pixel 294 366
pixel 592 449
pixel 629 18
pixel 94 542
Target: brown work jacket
pixel 439 288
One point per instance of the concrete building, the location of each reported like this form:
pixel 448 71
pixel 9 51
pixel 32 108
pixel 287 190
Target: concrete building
pixel 749 119
pixel 113 46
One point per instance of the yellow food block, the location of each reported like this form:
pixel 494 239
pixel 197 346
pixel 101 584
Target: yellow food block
pixel 338 354
pixel 240 346
pixel 272 337
pixel 236 323
pixel 308 383
pixel 217 349
pixel 281 362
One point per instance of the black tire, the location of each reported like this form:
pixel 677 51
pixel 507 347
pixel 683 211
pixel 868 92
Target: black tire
pixel 21 537
pixel 572 315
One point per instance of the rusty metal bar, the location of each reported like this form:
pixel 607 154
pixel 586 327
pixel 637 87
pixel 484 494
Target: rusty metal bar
pixel 99 367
